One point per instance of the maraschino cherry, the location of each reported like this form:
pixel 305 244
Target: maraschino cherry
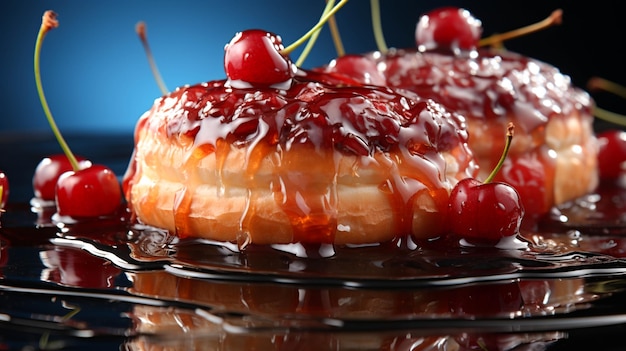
pixel 257 58
pixel 448 28
pixel 4 190
pixel 48 172
pixel 612 142
pixel 612 154
pixel 485 212
pixel 457 30
pixel 254 56
pixel 86 190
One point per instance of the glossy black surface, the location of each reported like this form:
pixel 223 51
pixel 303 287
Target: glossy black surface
pixel 103 285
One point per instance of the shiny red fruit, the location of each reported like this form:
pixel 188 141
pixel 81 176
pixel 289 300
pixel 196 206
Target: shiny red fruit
pixel 4 185
pixel 48 172
pixel 612 154
pixel 254 57
pixel 90 192
pixel 448 28
pixel 359 67
pixel 484 213
pixel 527 173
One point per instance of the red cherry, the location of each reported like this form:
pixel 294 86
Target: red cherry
pixel 358 67
pixel 4 189
pixel 254 57
pixel 89 192
pixel 612 154
pixel 48 172
pixel 448 28
pixel 528 173
pixel 484 212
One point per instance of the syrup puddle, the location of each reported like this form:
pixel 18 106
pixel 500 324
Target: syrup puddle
pixel 137 287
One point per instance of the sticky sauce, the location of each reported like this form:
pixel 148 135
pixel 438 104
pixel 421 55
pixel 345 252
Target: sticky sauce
pixel 400 134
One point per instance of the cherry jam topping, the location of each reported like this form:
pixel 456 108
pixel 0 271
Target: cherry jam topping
pixel 401 134
pixel 491 89
pixel 488 86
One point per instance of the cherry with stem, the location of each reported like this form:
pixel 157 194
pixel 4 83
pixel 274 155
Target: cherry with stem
pixel 485 212
pixel 257 58
pixel 452 28
pixel 87 190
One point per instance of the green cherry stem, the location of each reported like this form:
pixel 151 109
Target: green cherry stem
pixel 322 21
pixel 334 32
pixel 49 21
pixel 610 116
pixel 311 42
pixel 597 83
pixel 377 26
pixel 507 145
pixel 140 28
pixel 556 17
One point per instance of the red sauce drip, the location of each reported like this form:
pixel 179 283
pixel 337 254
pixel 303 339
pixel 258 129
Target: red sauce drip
pixel 490 89
pixel 324 120
pixel 184 197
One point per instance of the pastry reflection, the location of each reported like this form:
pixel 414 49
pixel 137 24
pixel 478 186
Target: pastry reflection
pixel 274 316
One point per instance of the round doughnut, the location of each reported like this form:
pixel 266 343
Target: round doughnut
pixel 314 163
pixel 553 155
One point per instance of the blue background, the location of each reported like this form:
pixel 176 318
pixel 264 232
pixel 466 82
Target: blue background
pixel 97 79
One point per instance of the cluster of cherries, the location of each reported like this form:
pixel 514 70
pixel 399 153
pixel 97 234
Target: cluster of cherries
pixel 480 212
pixel 483 212
pixel 78 188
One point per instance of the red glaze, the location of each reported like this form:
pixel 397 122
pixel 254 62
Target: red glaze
pixel 4 185
pixel 612 154
pixel 375 124
pixel 491 90
pixel 490 86
pixel 484 212
pixel 90 192
pixel 448 29
pixel 48 172
pixel 254 57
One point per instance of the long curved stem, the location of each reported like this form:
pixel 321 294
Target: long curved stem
pixel 313 39
pixel 505 152
pixel 322 21
pixel 49 22
pixel 140 28
pixel 378 27
pixel 597 83
pixel 334 31
pixel 610 116
pixel 555 17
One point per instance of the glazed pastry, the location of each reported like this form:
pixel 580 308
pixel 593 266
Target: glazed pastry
pixel 313 163
pixel 553 156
